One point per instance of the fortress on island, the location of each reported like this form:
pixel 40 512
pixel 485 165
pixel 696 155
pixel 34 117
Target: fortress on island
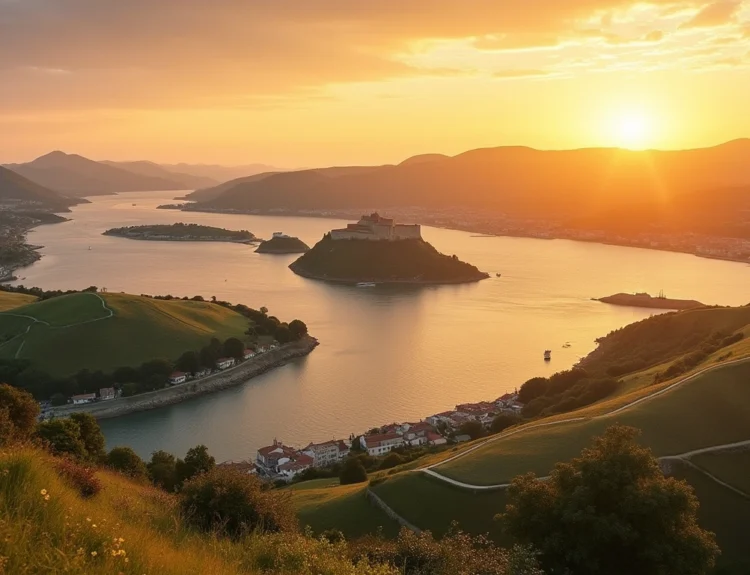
pixel 376 227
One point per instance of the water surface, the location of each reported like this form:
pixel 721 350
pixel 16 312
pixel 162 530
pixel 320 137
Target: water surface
pixel 386 354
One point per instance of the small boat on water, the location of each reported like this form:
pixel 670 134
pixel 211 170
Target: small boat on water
pixel 547 354
pixel 566 344
pixel 89 248
pixel 135 205
pixel 497 275
pixel 366 285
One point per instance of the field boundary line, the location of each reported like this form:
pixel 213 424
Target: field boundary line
pixel 430 468
pixel 385 508
pixel 711 476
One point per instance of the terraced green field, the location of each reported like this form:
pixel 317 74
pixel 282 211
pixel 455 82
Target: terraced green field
pixel 324 505
pixel 9 300
pixel 711 409
pixel 76 331
pixel 732 468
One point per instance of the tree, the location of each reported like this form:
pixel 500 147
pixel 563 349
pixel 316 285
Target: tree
pixel 298 329
pixel 391 460
pixel 91 435
pixel 163 471
pixel 235 503
pixel 503 421
pixel 535 387
pixel 18 414
pixel 126 374
pixel 473 429
pixel 283 334
pixel 610 511
pixel 125 460
pixel 63 436
pixel 353 472
pixel 197 461
pixel 189 362
pixel 233 347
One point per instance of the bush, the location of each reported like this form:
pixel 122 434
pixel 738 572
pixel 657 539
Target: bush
pixel 473 429
pixel 503 421
pixel 62 437
pixel 232 503
pixel 79 476
pixel 353 472
pixel 391 460
pixel 18 414
pixel 125 460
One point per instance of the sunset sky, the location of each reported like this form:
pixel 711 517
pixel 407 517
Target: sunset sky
pixel 319 82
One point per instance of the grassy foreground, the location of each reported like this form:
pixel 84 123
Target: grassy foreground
pixel 47 527
pixel 76 330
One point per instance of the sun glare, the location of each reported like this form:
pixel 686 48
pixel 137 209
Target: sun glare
pixel 633 130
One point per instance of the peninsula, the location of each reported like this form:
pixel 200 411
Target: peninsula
pixel 643 299
pixel 377 250
pixel 182 232
pixel 281 243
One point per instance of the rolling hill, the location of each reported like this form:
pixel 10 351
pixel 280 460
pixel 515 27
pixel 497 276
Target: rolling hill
pixel 153 170
pixel 104 331
pixel 16 188
pixel 75 175
pixel 699 190
pixel 9 300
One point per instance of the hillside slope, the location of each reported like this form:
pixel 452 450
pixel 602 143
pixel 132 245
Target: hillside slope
pixel 9 300
pixel 104 331
pixel 16 188
pixel 152 170
pixel 75 175
pixel 49 528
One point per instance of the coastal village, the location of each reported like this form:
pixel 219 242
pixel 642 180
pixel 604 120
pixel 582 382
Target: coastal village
pixel 278 461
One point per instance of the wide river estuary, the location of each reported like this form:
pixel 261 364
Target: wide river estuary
pixel 386 354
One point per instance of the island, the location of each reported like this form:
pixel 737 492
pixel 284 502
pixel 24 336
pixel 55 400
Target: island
pixel 643 299
pixel 170 206
pixel 281 243
pixel 182 232
pixel 377 250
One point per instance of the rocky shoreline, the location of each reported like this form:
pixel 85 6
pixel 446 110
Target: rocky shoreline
pixel 188 390
pixel 354 281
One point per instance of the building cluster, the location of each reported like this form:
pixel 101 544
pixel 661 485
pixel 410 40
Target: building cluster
pixel 279 461
pixel 484 412
pixel 375 227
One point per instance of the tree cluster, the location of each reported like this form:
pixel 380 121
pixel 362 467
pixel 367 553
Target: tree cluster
pixel 564 391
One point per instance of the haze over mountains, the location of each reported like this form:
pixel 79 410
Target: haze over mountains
pixel 14 188
pixel 702 188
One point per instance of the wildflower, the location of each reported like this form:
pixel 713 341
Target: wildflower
pixel 88 519
pixel 93 553
pixel 44 492
pixel 120 540
pixel 80 551
pixel 94 526
pixel 46 497
pixel 127 560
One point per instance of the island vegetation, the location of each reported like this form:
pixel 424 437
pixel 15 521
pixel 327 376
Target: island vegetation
pixel 402 261
pixel 282 244
pixel 181 232
pixel 646 300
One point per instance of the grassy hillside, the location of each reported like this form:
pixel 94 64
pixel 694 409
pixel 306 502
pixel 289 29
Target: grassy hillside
pixel 323 504
pixel 15 187
pixel 405 260
pixel 105 331
pixel 712 409
pixel 47 527
pixel 10 300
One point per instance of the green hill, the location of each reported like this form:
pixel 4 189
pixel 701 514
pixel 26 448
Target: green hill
pixel 10 300
pixel 104 331
pixel 402 261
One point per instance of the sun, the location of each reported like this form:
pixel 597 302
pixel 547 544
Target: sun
pixel 633 130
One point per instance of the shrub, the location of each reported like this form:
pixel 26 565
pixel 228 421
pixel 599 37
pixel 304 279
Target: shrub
pixel 91 436
pixel 473 429
pixel 503 421
pixel 79 476
pixel 18 414
pixel 125 460
pixel 732 339
pixel 62 436
pixel 353 472
pixel 391 460
pixel 232 503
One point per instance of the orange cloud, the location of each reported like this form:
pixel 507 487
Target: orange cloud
pixel 715 14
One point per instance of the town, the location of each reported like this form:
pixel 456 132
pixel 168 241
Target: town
pixel 284 463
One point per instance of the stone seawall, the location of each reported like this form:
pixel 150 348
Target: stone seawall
pixel 178 393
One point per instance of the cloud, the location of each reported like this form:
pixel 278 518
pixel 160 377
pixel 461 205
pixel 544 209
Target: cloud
pixel 654 36
pixel 715 14
pixel 519 73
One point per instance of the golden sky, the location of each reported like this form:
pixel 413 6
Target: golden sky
pixel 320 82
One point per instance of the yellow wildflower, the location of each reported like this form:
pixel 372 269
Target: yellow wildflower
pixel 46 497
pixel 93 553
pixel 44 492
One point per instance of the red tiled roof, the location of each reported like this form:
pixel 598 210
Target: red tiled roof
pixel 85 396
pixel 433 436
pixel 376 440
pixel 283 449
pixel 176 374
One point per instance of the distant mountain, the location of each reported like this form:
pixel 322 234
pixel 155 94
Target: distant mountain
pixel 75 175
pixel 595 186
pixel 221 173
pixel 423 158
pixel 17 190
pixel 236 185
pixel 150 169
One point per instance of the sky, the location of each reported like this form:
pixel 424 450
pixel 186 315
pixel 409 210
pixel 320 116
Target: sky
pixel 301 83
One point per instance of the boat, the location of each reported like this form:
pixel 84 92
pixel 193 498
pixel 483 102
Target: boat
pixel 547 354
pixel 135 205
pixel 89 248
pixel 566 344
pixel 497 275
pixel 366 284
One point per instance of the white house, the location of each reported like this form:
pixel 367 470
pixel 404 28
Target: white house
pixel 327 453
pixel 107 393
pixel 435 438
pixel 249 354
pixel 295 466
pixel 382 443
pixel 225 362
pixel 83 398
pixel 177 377
pixel 203 372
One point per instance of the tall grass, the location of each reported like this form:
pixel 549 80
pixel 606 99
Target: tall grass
pixel 46 526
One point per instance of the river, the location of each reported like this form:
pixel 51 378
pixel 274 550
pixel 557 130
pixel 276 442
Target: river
pixel 386 354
